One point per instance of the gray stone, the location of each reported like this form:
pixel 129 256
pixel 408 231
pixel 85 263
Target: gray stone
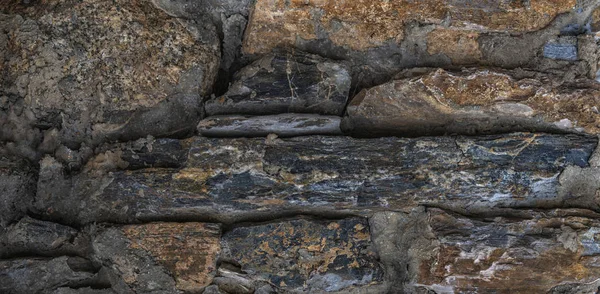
pixel 541 253
pixel 283 125
pixel 473 101
pixel 34 237
pixel 37 275
pixel 17 190
pixel 159 257
pixel 303 255
pixel 286 83
pixel 97 81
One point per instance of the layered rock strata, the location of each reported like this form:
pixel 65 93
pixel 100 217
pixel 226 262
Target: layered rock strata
pixel 287 94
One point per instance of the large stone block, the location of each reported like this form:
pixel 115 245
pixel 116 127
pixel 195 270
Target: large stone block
pixel 108 70
pixel 304 255
pixel 473 101
pixel 361 25
pixel 380 37
pixel 43 275
pixel 167 257
pixel 34 237
pixel 554 251
pixel 236 179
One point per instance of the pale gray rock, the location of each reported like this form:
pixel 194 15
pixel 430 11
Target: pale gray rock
pixel 283 125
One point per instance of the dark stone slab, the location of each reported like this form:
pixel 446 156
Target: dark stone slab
pixel 305 255
pixel 34 237
pixel 283 125
pixel 282 83
pixel 36 275
pixel 233 179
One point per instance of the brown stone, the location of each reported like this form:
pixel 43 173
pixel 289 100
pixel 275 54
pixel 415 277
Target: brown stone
pixel 360 25
pixel 111 65
pixel 533 255
pixel 474 101
pixel 143 254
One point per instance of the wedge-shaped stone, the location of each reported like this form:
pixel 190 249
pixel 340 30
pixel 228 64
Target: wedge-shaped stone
pixel 306 256
pixel 283 125
pixel 282 83
pixel 167 257
pixel 474 101
pixel 39 275
pixel 236 179
pixel 542 253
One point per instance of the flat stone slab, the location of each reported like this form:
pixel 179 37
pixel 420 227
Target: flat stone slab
pixel 30 236
pixel 473 101
pixel 235 179
pixel 286 83
pixel 306 255
pixel 283 125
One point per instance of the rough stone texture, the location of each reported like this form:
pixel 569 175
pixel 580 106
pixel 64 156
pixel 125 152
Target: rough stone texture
pixel 504 255
pixel 104 189
pixel 17 190
pixel 306 255
pixel 474 101
pixel 286 82
pixel 37 275
pixel 361 25
pixel 167 257
pixel 380 37
pixel 283 125
pixel 98 70
pixel 229 179
pixel 31 236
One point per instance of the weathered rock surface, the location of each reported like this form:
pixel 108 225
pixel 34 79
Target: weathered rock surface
pixel 160 257
pixel 98 70
pixel 286 82
pixel 381 37
pixel 17 190
pixel 547 252
pixel 34 237
pixel 362 25
pixel 38 275
pixel 474 101
pixel 305 255
pixel 283 125
pixel 229 179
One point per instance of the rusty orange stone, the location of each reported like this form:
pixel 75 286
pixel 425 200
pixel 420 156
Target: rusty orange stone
pixel 188 250
pixel 364 24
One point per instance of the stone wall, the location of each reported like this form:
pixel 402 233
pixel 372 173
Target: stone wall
pixel 268 146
